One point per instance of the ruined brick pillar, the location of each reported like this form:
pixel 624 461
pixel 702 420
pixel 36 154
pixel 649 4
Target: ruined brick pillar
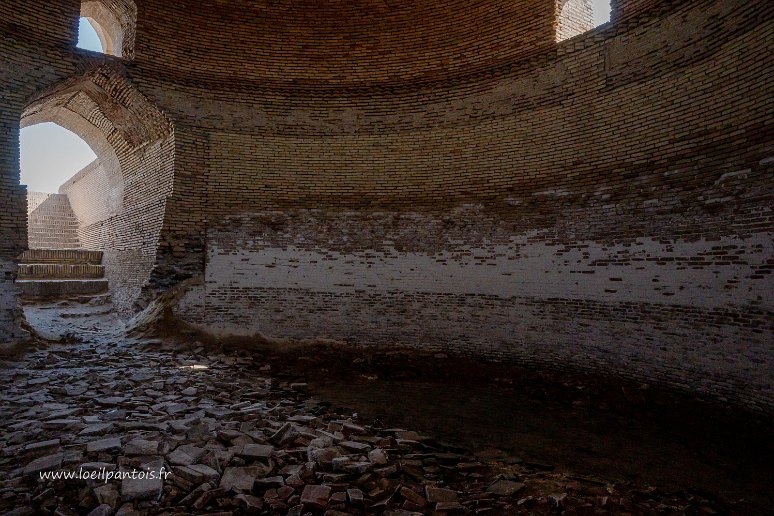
pixel 13 221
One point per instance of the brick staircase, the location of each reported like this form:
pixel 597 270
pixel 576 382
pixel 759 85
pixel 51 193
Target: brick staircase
pixel 56 266
pixel 52 222
pixel 61 273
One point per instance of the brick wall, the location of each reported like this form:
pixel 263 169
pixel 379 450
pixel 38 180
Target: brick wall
pixel 40 23
pixel 611 191
pixel 96 193
pixel 13 219
pixel 622 10
pixel 120 198
pixel 448 177
pixel 573 17
pixel 51 223
pixel 338 42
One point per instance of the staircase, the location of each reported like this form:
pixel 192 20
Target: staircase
pixel 52 224
pixel 55 266
pixel 60 273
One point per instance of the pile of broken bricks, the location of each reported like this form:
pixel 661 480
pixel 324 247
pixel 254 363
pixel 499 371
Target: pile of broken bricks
pixel 231 439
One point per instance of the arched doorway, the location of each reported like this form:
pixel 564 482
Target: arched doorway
pixel 52 160
pixel 119 200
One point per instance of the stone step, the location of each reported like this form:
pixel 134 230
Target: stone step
pixel 63 231
pixel 58 243
pixel 41 238
pixel 60 271
pixel 55 289
pixel 63 256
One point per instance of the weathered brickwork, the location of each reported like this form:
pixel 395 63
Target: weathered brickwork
pixel 308 43
pixel 623 10
pixel 445 175
pixel 36 23
pixel 569 292
pixel 13 200
pixel 115 22
pixel 96 193
pixel 51 223
pixel 573 17
pixel 119 200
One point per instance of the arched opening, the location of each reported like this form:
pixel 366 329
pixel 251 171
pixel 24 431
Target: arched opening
pixel 112 22
pixel 50 158
pixel 65 154
pixel 91 36
pixel 574 17
pixel 113 207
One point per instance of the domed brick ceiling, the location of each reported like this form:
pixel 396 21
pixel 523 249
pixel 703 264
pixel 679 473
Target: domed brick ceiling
pixel 316 43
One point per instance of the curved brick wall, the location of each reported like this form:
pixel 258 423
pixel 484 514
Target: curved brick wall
pixel 339 43
pixel 398 174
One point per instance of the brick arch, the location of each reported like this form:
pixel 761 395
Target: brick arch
pixel 120 203
pixel 74 122
pixel 115 22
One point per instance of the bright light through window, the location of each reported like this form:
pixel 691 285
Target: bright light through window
pixel 87 37
pixel 601 12
pixel 50 155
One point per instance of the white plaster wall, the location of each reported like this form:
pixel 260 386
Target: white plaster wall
pixel 650 271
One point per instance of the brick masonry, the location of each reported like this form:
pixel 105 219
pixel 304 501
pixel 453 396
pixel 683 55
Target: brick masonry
pixel 573 17
pixel 96 193
pixel 51 223
pixel 119 199
pixel 440 176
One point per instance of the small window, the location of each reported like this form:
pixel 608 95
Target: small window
pixel 113 24
pixel 574 17
pixel 89 36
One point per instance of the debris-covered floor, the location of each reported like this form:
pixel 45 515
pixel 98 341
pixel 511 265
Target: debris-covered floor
pixel 234 433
